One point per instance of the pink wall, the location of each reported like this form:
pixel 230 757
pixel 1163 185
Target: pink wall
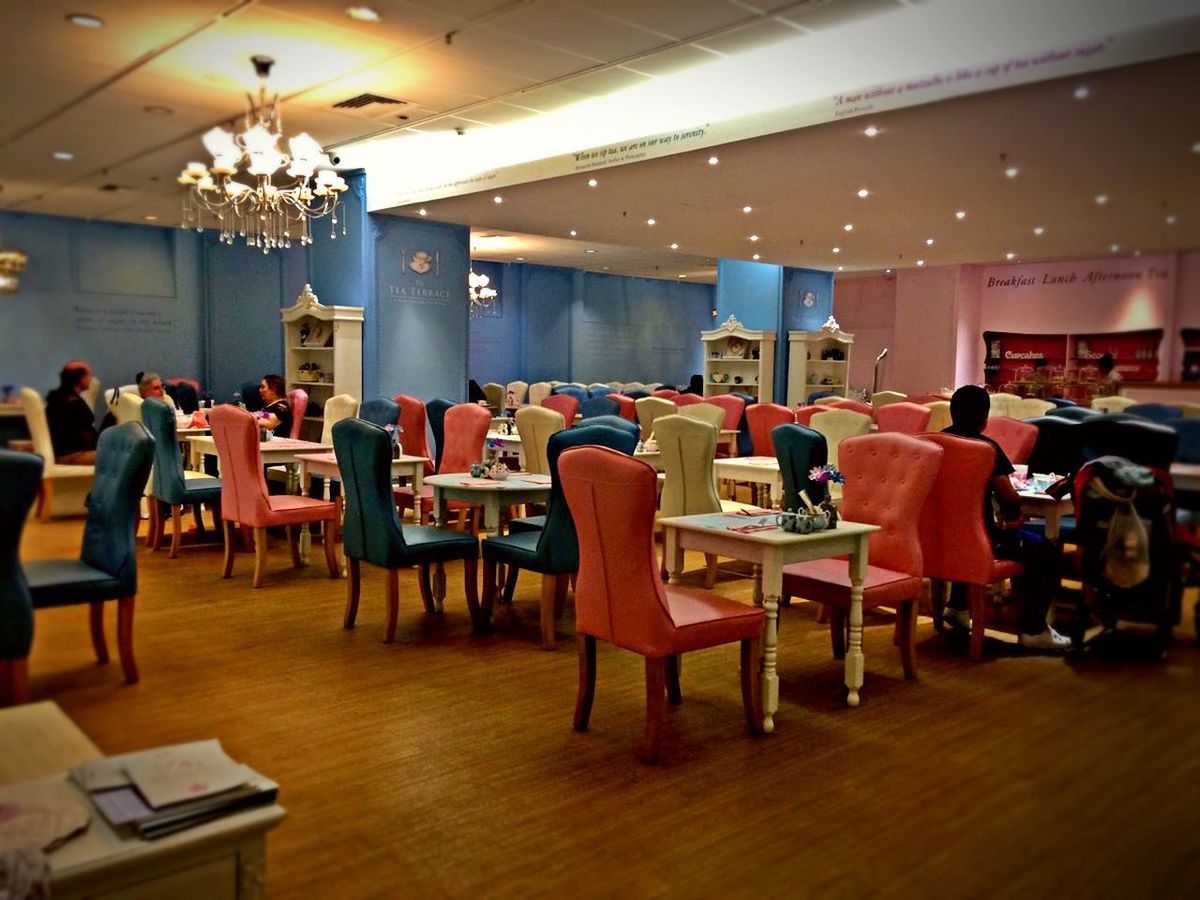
pixel 866 308
pixel 926 333
pixel 968 365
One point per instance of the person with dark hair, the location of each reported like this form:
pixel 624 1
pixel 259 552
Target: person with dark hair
pixel 1110 378
pixel 694 386
pixel 969 408
pixel 71 421
pixel 276 414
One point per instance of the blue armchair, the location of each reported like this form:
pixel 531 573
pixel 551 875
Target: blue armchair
pixel 107 565
pixel 20 481
pixel 372 531
pixel 1073 413
pixel 598 406
pixel 1154 412
pixel 381 412
pixel 616 422
pixel 170 484
pixel 552 551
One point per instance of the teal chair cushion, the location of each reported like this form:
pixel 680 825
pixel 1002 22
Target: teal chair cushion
pixel 63 582
pixel 20 479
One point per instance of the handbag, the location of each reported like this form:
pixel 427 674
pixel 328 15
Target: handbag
pixel 1126 554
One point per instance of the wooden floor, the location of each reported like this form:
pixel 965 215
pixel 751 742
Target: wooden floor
pixel 445 764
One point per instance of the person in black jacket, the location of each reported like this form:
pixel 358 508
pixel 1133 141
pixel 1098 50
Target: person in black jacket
pixel 72 422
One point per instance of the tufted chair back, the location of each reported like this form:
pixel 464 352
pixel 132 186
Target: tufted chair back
pixel 20 479
pixel 243 489
pixel 683 400
pixel 337 407
pixel 763 418
pixel 298 401
pixel 535 425
pixel 706 412
pixel 436 410
pixel 413 441
pixel 618 593
pixel 954 541
pixel 688 446
pixel 888 477
pixel 538 391
pixel 466 430
pixel 1016 438
pixel 566 405
pixel 837 425
pixel 651 408
pixel 514 393
pixel 124 454
pixel 939 416
pixel 626 406
pixel 856 406
pixel 903 417
pixel 799 449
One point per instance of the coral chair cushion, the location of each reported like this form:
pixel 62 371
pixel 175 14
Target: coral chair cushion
pixel 827 581
pixel 665 393
pixel 905 417
pixel 762 419
pixel 705 619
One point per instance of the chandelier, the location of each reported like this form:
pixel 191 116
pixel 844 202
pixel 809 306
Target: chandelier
pixel 480 294
pixel 269 213
pixel 12 264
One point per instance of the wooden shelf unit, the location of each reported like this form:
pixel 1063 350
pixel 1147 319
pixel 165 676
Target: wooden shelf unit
pixel 334 342
pixel 734 351
pixel 807 371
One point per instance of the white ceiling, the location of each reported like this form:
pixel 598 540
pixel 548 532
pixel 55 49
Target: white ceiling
pixel 86 91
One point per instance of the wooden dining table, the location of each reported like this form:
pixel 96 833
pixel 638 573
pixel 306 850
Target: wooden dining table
pixel 488 493
pixel 275 452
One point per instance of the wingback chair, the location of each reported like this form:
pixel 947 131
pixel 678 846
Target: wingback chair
pixel 465 428
pixel 763 418
pixel 566 405
pixel 883 398
pixel 64 487
pixel 1058 446
pixel 571 390
pixel 372 531
pixel 245 501
pixel 535 425
pixel 1154 412
pixel 413 441
pixel 665 393
pixel 20 480
pixel 1112 404
pixel 626 406
pixel 435 411
pixel 619 599
pixel 552 551
pixel 939 416
pixel 709 413
pixel 495 396
pixel 298 403
pixel 688 446
pixel 845 403
pixel 337 407
pixel 839 424
pixel 682 400
pixel 106 568
pixel 1140 441
pixel 1029 407
pixel 380 411
pixel 538 391
pixel 616 422
pixel 599 406
pixel 128 408
pixel 650 408
pixel 1003 404
pixel 734 408
pixel 804 414
pixel 903 417
pixel 1074 413
pixel 799 449
pixel 1016 438
pixel 514 393
pixel 888 477
pixel 170 484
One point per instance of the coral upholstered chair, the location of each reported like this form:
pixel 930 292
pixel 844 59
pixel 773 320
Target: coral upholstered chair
pixel 566 405
pixel 626 406
pixel 955 545
pixel 620 599
pixel 665 393
pixel 245 501
pixel 683 400
pixel 734 408
pixel 888 477
pixel 413 441
pixel 465 427
pixel 763 418
pixel 298 403
pixel 865 408
pixel 903 417
pixel 1016 438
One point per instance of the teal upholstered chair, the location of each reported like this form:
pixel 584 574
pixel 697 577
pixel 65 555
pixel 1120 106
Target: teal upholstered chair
pixel 20 481
pixel 552 551
pixel 372 532
pixel 435 412
pixel 798 450
pixel 616 422
pixel 107 565
pixel 380 411
pixel 603 405
pixel 169 483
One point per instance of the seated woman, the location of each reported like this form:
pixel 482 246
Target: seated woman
pixel 276 414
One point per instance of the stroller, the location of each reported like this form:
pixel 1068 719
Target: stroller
pixel 1126 552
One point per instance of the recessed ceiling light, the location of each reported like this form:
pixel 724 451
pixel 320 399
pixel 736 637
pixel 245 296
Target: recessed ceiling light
pixel 840 268
pixel 1101 199
pixel 63 155
pixel 592 182
pixel 1137 252
pixel 1012 172
pixel 747 209
pixel 589 250
pixel 674 246
pixel 757 256
pixel 606 268
pixel 422 211
pixel 864 193
pixel 849 226
pixel 837 249
pixel 1039 230
pixel 83 20
pixel 1196 147
pixel 150 218
pixel 960 215
pixel 1114 248
pixel 920 262
pixel 651 222
pixel 497 199
pixel 870 131
pixel 713 160
pixel 683 276
pixel 158 110
pixel 520 259
pixel 1170 220
pixel 1010 255
pixel 1082 92
pixel 572 232
pixel 887 271
pixel 754 237
pixel 928 242
pixel 362 14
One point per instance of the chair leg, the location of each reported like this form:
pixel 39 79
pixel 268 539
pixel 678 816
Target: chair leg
pixel 546 610
pixel 674 691
pixel 152 525
pixel 906 632
pixel 293 539
pixel 14 681
pixel 586 644
pixel 560 595
pixel 471 586
pixel 99 644
pixel 656 693
pixel 353 588
pixel 510 583
pixel 46 500
pixel 751 695
pixel 977 603
pixel 260 556
pixel 710 570
pixel 329 545
pixel 663 573
pixel 176 530
pixel 230 548
pixel 489 595
pixel 125 639
pixel 823 615
pixel 426 590
pixel 393 605
pixel 837 630
pixel 937 602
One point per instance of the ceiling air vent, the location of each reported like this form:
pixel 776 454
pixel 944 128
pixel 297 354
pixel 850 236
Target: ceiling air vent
pixel 363 100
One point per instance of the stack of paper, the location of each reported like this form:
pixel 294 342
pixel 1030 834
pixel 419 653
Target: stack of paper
pixel 161 791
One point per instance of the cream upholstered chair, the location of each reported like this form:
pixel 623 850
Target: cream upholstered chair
pixel 337 407
pixel 535 424
pixel 64 488
pixel 883 398
pixel 92 395
pixel 1113 404
pixel 616 385
pixel 635 386
pixel 837 425
pixel 1029 407
pixel 705 412
pixel 651 408
pixel 128 408
pixel 939 416
pixel 1189 410
pixel 515 392
pixel 1004 404
pixel 539 391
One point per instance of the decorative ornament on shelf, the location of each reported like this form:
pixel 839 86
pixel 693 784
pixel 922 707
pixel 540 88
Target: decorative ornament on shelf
pixel 268 214
pixel 831 325
pixel 12 264
pixel 478 292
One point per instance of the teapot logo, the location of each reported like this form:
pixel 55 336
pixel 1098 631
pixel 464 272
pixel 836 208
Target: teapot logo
pixel 421 262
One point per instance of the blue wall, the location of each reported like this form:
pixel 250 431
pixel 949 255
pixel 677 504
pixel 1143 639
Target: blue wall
pixel 495 339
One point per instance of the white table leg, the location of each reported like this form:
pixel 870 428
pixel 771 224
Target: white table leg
pixel 295 481
pixel 854 654
pixel 674 554
pixel 491 513
pixel 439 506
pixel 772 586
